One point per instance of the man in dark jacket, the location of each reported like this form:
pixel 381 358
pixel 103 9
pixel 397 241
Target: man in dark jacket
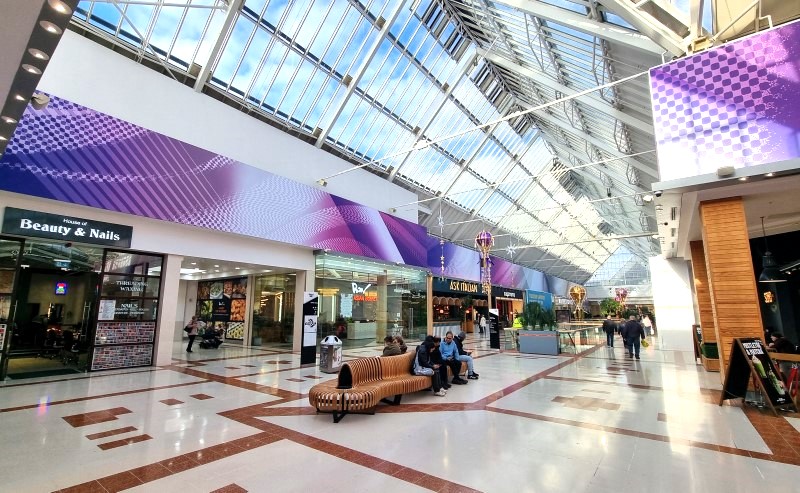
pixel 633 333
pixel 609 327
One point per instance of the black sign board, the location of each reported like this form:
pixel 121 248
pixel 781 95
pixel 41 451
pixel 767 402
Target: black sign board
pixel 444 285
pixel 221 310
pixel 310 313
pixel 65 228
pixel 494 329
pixel 500 292
pixel 749 358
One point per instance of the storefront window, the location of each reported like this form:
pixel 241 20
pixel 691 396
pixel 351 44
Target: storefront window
pixel 365 300
pixel 273 309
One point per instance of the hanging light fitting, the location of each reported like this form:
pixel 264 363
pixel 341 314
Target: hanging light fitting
pixel 769 267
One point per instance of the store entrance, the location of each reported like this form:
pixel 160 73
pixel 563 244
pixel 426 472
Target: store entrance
pixel 52 297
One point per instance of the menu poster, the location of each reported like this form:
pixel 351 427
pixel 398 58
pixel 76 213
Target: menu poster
pixel 6 281
pixel 346 305
pixel 749 358
pixel 107 309
pixel 221 310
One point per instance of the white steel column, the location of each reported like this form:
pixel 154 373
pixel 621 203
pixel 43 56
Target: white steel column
pixel 169 326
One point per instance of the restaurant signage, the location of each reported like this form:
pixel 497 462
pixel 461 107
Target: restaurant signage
pixel 750 362
pixel 66 228
pixel 456 286
pixel 500 292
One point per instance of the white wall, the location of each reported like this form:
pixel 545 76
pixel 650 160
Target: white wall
pixel 86 73
pixel 673 302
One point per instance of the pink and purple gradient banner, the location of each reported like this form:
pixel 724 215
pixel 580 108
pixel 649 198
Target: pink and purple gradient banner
pixel 734 105
pixel 74 154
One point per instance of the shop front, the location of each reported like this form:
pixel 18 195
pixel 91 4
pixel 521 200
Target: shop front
pixel 362 301
pixel 456 305
pixel 509 302
pixel 72 298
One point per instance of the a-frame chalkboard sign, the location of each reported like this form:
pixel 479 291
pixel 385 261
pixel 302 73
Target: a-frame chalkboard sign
pixel 749 358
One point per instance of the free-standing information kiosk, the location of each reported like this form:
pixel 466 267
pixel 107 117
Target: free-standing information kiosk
pixel 749 358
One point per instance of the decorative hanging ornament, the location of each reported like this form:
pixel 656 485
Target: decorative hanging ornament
pixel 441 241
pixel 485 241
pixel 621 295
pixel 578 294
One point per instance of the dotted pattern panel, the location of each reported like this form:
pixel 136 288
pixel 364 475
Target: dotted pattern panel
pixel 726 106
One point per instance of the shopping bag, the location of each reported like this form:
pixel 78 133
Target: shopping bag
pixel 645 343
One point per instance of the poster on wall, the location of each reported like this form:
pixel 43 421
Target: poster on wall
pixel 223 303
pixel 107 309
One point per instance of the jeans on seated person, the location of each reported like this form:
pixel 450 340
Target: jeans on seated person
pixel 468 359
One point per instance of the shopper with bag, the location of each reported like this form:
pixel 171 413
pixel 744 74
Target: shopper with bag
pixel 192 329
pixel 633 334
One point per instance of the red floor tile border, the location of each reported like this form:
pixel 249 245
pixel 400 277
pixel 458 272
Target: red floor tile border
pixel 231 488
pixel 124 441
pixel 100 396
pixel 111 433
pixel 93 417
pixel 201 397
pixel 171 402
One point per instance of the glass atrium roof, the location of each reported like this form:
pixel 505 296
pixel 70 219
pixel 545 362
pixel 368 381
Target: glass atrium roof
pixel 485 109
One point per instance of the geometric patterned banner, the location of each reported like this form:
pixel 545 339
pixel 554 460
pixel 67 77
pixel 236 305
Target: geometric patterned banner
pixel 735 105
pixel 74 154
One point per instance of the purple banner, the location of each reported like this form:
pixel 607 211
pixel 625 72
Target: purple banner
pixel 731 105
pixel 73 154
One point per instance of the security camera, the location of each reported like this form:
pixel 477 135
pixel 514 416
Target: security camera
pixel 657 193
pixel 39 101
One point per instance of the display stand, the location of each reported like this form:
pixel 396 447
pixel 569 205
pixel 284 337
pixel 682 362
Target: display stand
pixel 749 358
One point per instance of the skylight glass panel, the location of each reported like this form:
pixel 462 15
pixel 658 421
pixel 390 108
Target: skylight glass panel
pixel 613 18
pixel 467 191
pixel 251 61
pixel 565 4
pixel 490 162
pixel 431 169
pixel 496 206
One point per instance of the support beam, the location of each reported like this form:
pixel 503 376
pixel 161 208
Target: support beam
pixel 230 15
pixel 648 25
pixel 600 144
pixel 586 25
pixel 589 100
pixel 356 77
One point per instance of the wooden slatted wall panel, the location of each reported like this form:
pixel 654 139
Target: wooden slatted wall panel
pixel 732 284
pixel 702 290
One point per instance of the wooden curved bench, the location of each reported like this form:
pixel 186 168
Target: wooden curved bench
pixel 364 382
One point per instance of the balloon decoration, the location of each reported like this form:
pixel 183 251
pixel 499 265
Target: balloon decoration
pixel 485 241
pixel 621 296
pixel 578 294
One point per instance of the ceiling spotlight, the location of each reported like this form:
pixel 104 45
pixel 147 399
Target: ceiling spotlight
pixel 31 69
pixel 8 119
pixel 215 265
pixel 19 97
pixel 770 175
pixel 39 54
pixel 3 138
pixel 237 268
pixel 322 182
pixel 194 263
pixel 60 7
pixel 50 27
pixel 744 178
pixel 648 197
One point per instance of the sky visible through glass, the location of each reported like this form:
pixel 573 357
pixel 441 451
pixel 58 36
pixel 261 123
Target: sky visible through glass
pixel 327 68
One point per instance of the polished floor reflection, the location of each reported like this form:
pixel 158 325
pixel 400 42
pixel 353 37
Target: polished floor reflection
pixel 238 419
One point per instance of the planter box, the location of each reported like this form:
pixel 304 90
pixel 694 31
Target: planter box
pixel 710 364
pixel 538 341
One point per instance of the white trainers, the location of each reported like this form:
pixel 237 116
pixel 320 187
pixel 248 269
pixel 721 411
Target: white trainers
pixel 441 393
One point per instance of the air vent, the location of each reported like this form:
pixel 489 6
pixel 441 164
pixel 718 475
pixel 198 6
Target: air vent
pixel 674 213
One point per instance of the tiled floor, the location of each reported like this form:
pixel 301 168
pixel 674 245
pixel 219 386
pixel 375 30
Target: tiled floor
pixel 237 420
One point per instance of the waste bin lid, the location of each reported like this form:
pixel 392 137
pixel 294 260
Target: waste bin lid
pixel 331 340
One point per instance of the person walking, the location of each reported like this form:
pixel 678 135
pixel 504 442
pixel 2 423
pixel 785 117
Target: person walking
pixel 633 333
pixel 610 328
pixel 482 325
pixel 192 329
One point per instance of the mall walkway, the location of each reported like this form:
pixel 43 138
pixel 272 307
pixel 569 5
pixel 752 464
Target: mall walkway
pixel 236 420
